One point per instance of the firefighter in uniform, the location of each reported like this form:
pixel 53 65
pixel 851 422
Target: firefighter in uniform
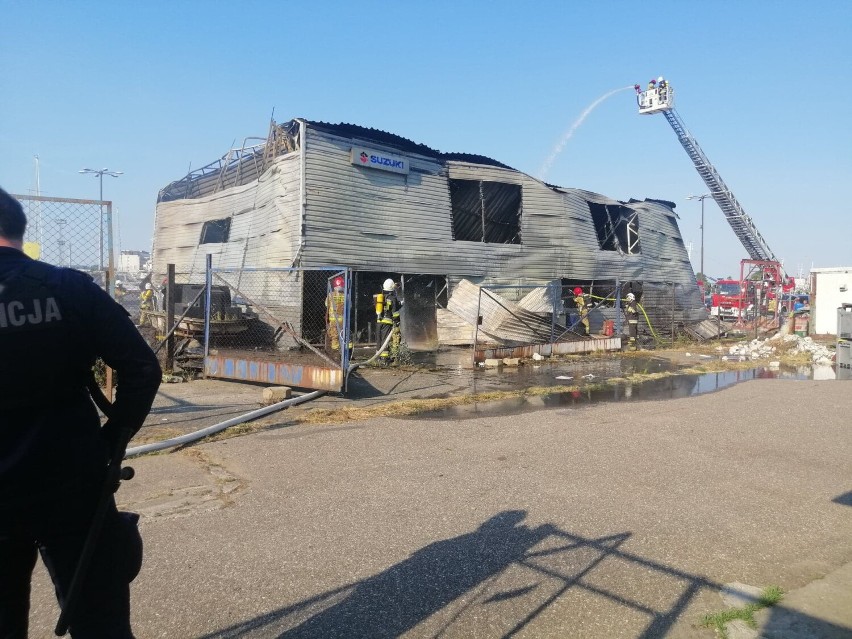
pixel 387 320
pixel 335 305
pixel 631 310
pixel 582 309
pixel 54 322
pixel 146 302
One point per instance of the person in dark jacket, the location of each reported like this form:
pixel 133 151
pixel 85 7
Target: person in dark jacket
pixel 54 323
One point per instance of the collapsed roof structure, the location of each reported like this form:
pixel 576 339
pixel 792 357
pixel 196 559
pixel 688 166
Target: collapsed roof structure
pixel 314 194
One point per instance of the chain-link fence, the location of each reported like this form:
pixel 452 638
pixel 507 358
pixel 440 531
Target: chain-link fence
pixel 72 233
pixel 288 325
pixel 564 311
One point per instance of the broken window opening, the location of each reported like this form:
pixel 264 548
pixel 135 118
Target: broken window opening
pixel 486 211
pixel 617 228
pixel 215 231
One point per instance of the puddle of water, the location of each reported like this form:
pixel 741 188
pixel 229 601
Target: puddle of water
pixel 667 388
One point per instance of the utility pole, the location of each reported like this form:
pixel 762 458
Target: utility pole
pixel 100 173
pixel 701 198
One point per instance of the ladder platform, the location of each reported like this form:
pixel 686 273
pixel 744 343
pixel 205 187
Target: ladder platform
pixel 655 100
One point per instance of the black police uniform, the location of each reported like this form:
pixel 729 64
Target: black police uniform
pixel 54 322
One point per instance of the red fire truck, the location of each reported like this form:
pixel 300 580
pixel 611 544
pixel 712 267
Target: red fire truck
pixel 761 284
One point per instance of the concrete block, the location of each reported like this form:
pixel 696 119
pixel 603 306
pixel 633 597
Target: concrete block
pixel 275 394
pixel 493 363
pixel 511 361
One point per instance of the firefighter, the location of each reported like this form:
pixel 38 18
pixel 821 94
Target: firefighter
pixel 120 291
pixel 582 309
pixel 54 322
pixel 146 298
pixel 388 305
pixel 335 305
pixel 652 84
pixel 631 310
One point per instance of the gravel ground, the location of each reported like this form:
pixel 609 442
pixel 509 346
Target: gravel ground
pixel 606 520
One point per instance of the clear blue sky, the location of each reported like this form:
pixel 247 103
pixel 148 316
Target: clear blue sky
pixel 151 87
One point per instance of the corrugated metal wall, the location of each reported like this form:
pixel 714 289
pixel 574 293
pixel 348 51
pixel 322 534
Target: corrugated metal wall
pixel 402 223
pixel 264 224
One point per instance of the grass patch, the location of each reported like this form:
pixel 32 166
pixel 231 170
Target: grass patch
pixel 769 597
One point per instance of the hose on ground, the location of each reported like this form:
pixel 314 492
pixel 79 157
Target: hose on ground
pixel 210 430
pixel 380 350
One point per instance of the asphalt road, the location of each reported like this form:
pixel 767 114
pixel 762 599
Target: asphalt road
pixel 601 521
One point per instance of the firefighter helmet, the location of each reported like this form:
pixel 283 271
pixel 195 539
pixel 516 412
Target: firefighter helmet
pixel 389 285
pixel 652 81
pixel 118 282
pixel 578 291
pixel 148 286
pixel 337 282
pixel 660 79
pixel 630 297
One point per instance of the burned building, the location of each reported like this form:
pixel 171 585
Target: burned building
pixel 315 194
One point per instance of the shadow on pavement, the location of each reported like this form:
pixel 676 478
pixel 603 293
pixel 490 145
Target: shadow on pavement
pixel 844 500
pixel 784 623
pixel 494 581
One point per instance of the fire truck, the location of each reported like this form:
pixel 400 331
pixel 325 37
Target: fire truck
pixel 762 280
pixel 760 291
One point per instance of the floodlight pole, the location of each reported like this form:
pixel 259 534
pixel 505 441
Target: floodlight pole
pixel 701 198
pixel 100 173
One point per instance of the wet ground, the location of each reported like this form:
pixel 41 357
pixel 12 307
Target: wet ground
pixel 183 408
pixel 666 388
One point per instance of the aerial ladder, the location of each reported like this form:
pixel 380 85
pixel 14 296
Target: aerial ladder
pixel 659 98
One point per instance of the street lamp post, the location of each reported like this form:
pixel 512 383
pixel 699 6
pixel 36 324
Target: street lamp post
pixel 701 198
pixel 100 173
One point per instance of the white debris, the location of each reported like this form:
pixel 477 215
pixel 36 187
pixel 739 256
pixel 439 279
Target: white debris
pixel 761 349
pixel 564 377
pixel 688 354
pixel 774 365
pixel 589 376
pixel 538 357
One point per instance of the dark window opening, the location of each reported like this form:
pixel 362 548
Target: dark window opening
pixel 617 228
pixel 486 211
pixel 215 231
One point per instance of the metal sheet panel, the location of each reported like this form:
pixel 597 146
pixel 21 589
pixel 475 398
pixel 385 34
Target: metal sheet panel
pixel 274 372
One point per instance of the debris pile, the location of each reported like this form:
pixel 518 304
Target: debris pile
pixel 755 349
pixel 820 355
pixel 760 349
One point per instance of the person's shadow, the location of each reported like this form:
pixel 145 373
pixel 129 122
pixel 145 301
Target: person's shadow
pixel 396 600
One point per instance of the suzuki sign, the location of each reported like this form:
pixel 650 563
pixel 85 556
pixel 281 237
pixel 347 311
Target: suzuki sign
pixel 373 159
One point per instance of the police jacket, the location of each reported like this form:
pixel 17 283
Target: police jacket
pixel 54 323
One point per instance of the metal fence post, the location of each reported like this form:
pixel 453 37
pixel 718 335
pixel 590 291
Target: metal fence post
pixel 618 307
pixel 208 287
pixel 554 302
pixel 170 315
pixel 673 313
pixel 476 326
pixel 110 277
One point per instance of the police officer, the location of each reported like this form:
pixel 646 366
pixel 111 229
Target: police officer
pixel 54 322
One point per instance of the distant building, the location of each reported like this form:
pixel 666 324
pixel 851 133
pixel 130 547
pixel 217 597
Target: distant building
pixel 830 287
pixel 133 261
pixel 318 194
